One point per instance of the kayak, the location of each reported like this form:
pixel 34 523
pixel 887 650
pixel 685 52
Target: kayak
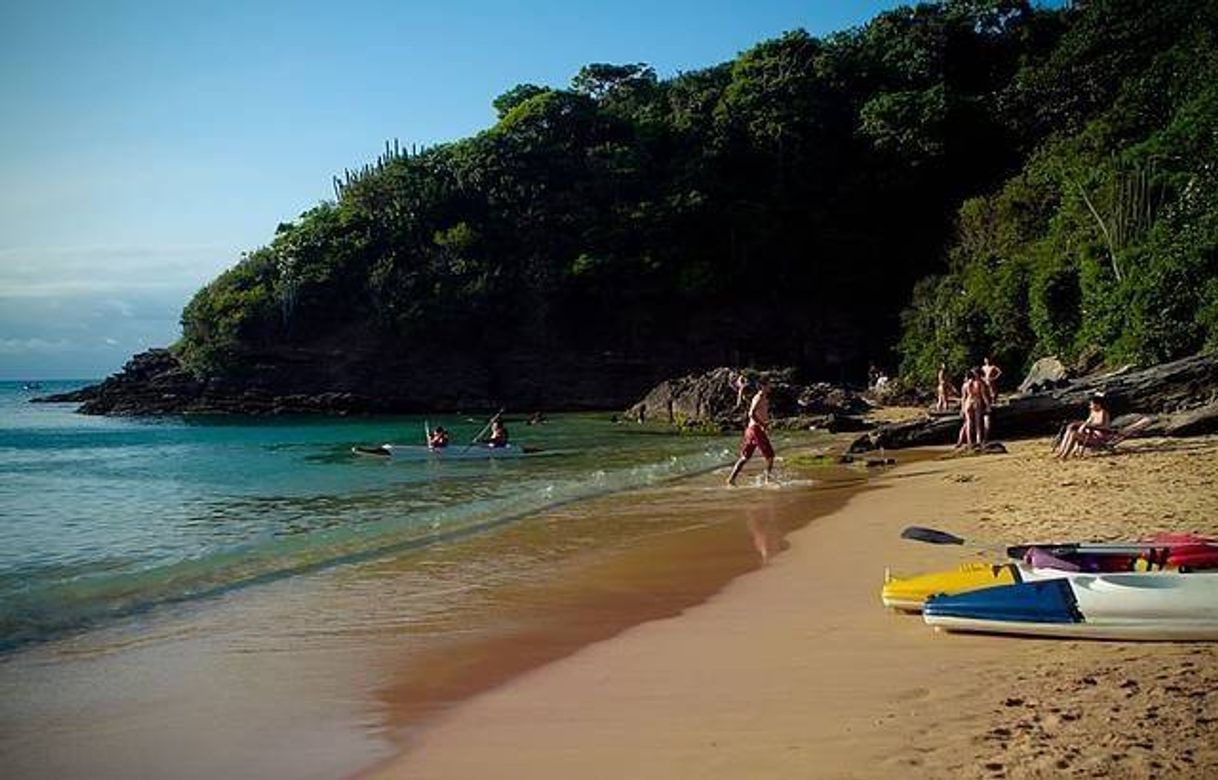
pixel 909 593
pixel 1201 544
pixel 1187 548
pixel 1151 606
pixel 451 452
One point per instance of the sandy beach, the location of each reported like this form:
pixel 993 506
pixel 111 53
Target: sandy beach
pixel 795 669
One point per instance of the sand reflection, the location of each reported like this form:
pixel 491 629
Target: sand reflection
pixel 769 537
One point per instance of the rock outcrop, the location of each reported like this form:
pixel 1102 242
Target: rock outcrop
pixel 1045 374
pixel 349 376
pixel 711 400
pixel 1182 396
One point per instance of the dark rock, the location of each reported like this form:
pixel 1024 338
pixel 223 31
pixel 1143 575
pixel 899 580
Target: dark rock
pixel 336 377
pixel 1046 374
pixel 711 399
pixel 1189 422
pixel 1183 394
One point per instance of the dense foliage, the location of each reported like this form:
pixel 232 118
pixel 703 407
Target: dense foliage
pixel 780 207
pixel 1103 247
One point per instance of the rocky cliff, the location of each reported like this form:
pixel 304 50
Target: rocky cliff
pixel 340 378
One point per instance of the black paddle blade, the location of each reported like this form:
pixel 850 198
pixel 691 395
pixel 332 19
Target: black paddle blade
pixel 930 535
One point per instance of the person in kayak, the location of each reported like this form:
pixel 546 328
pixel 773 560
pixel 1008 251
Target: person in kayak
pixel 755 437
pixel 438 439
pixel 499 434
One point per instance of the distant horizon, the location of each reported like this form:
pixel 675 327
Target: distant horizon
pixel 148 147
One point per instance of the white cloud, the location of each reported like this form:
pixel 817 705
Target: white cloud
pixel 33 346
pixel 49 272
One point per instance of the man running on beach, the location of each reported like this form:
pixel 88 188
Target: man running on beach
pixel 755 433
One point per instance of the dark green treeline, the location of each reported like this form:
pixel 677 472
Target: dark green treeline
pixel 1031 179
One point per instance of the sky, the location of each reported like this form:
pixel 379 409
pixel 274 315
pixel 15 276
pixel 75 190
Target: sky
pixel 146 144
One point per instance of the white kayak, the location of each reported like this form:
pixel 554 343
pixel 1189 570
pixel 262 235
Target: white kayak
pixel 451 452
pixel 1150 606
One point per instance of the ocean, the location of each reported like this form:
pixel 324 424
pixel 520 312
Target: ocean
pixel 107 517
pixel 222 596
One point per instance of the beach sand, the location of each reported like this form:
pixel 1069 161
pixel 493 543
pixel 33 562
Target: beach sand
pixel 795 669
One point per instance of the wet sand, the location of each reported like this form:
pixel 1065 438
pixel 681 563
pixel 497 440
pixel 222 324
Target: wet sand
pixel 795 670
pixel 703 536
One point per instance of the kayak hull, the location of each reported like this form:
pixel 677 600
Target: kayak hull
pixel 451 452
pixel 1151 606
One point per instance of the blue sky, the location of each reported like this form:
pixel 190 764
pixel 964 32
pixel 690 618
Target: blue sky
pixel 144 145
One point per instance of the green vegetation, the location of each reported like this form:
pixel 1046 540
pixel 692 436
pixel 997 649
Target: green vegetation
pixel 809 460
pixel 1104 245
pixel 1043 180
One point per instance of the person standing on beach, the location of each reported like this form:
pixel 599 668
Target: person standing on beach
pixel 755 437
pixel 740 384
pixel 944 389
pixel 974 406
pixel 989 374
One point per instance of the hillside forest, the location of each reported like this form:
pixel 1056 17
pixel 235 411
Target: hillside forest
pixel 948 181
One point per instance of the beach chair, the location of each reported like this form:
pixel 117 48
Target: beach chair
pixel 1110 439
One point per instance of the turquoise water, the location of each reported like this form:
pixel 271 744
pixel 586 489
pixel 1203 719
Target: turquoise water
pixel 102 518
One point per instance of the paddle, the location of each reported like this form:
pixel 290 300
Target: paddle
pixel 427 433
pixel 919 533
pixel 930 535
pixel 485 428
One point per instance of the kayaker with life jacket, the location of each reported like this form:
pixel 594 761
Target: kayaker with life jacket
pixel 438 439
pixel 499 434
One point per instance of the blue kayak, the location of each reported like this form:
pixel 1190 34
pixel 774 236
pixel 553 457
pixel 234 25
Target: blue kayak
pixel 1161 606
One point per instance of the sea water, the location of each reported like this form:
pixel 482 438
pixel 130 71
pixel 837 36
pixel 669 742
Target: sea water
pixel 102 518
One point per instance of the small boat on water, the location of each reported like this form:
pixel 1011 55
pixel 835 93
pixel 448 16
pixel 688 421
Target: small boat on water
pixel 451 452
pixel 1151 606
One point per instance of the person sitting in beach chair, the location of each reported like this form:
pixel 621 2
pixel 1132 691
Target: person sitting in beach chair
pixel 1090 432
pixel 1114 436
pixel 1097 433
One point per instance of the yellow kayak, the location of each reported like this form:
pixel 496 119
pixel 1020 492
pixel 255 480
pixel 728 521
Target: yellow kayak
pixel 909 593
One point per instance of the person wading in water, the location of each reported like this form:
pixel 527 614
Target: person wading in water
pixel 755 437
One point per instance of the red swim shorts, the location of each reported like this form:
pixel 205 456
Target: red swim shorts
pixel 755 439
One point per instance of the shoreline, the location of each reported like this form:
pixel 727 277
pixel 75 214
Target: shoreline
pixel 704 540
pixel 796 669
pixel 312 675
